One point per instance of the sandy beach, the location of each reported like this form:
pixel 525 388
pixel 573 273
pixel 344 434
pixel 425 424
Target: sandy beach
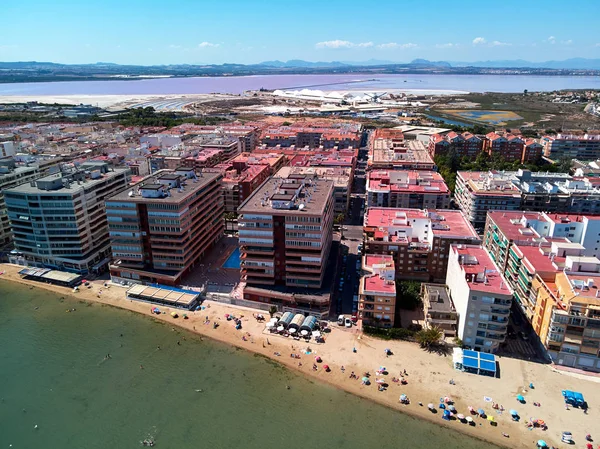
pixel 428 374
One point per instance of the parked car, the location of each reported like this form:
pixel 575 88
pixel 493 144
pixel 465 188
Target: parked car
pixel 340 320
pixel 347 322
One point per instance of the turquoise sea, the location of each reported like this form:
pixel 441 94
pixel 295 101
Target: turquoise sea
pixel 54 374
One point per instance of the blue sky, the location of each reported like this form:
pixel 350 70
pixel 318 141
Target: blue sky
pixel 199 31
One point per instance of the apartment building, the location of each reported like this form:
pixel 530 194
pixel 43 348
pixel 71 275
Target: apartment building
pixel 505 228
pixel 532 151
pixel 341 136
pixel 479 192
pixel 59 221
pixel 340 176
pixel 439 309
pixel 509 146
pixel 285 234
pixel 567 316
pixel 418 239
pixel 377 291
pixel 481 296
pixel 568 146
pixel 407 189
pixel 388 150
pixel 12 175
pixel 465 144
pixel 526 263
pixel 239 184
pixel 274 161
pixel 162 226
pixel 203 159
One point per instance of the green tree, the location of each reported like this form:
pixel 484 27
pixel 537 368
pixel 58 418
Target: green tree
pixel 339 220
pixel 408 294
pixel 272 310
pixel 429 337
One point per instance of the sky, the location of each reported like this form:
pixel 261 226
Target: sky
pixel 149 32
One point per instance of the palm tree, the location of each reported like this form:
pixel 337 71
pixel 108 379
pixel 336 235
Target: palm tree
pixel 429 337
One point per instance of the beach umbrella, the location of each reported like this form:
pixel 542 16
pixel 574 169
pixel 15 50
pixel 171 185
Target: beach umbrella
pixel 380 381
pixel 447 399
pixel 471 409
pixel 491 419
pixel 292 330
pixel 270 325
pixel 326 367
pixel 442 406
pixel 460 416
pixel 316 334
pixel 403 398
pixel 365 380
pixel 280 329
pixel 520 398
pixel 514 413
pixel 481 412
pixel 430 406
pixel 542 443
pixel 469 419
pixel 318 359
pixel 304 333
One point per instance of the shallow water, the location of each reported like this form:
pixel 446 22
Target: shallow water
pixel 239 84
pixel 53 374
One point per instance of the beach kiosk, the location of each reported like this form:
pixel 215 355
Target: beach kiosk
pixel 296 322
pixel 285 320
pixel 308 325
pixel 474 362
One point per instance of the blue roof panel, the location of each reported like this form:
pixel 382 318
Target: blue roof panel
pixel 470 362
pixel 488 357
pixel 488 366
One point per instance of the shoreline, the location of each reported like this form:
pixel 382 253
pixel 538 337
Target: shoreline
pixel 337 352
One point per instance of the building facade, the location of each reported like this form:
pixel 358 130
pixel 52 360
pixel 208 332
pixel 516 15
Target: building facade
pixel 481 296
pixel 59 221
pixel 419 240
pixel 439 309
pixel 163 226
pixel 567 146
pixel 377 291
pixel 285 234
pixel 407 189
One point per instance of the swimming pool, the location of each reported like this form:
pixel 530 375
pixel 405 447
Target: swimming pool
pixel 233 261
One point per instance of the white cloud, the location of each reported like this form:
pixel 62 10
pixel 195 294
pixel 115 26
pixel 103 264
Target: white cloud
pixel 551 39
pixel 174 46
pixel 342 44
pixel 500 44
pixel 567 42
pixel 479 41
pixel 397 45
pixel 207 45
pixel 448 45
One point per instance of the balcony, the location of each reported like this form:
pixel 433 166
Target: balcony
pixel 501 311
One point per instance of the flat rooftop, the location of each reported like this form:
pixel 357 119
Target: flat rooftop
pixel 69 188
pixel 439 299
pixel 413 181
pixel 538 259
pixel 176 194
pixel 445 223
pixel 484 274
pixel 300 196
pixel 339 175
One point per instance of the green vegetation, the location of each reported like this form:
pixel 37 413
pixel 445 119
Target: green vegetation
pixel 450 163
pixel 408 294
pixel 429 337
pixel 133 117
pixel 272 310
pixel 389 334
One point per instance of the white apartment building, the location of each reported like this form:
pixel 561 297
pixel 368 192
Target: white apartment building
pixel 481 295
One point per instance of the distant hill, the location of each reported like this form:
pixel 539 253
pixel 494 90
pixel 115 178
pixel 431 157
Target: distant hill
pixel 573 63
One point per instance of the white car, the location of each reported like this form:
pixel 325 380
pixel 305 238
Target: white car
pixel 347 322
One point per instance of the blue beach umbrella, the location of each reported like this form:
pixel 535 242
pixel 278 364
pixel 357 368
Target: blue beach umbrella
pixel 514 413
pixel 542 443
pixel 520 398
pixel 481 412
